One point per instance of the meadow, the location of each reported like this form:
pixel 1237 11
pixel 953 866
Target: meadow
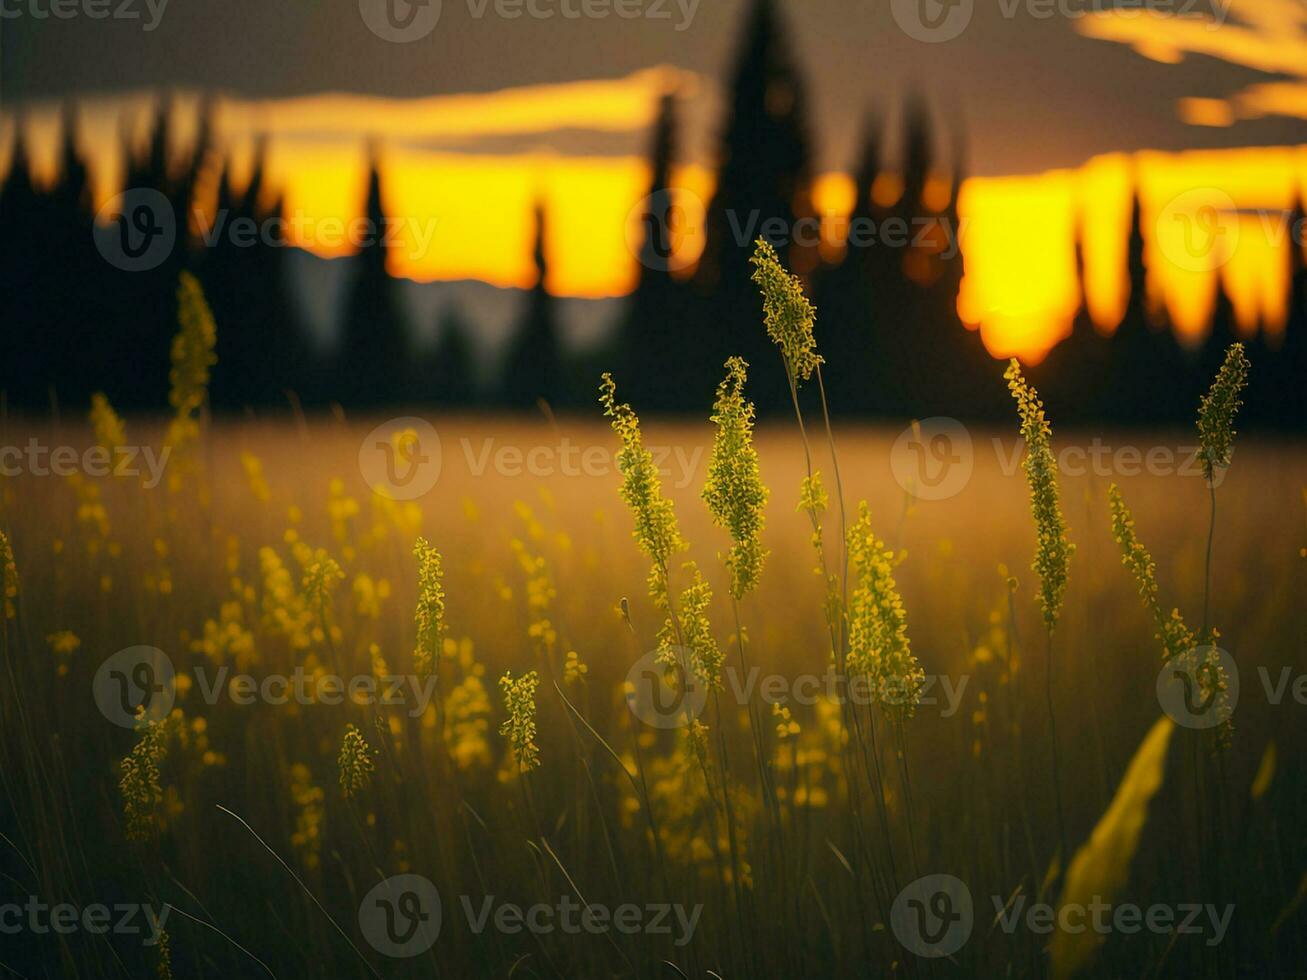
pixel 777 832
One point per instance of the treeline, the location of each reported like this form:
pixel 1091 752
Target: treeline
pixel 74 322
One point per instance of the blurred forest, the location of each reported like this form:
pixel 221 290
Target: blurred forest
pixel 74 323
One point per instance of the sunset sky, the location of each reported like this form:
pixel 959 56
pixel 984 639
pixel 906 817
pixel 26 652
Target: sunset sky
pixel 486 113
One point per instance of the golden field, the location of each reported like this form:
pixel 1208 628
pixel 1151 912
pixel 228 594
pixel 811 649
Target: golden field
pixel 537 558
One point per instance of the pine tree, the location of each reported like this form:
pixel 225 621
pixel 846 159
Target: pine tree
pixel 763 180
pixel 656 329
pixel 533 368
pixel 374 358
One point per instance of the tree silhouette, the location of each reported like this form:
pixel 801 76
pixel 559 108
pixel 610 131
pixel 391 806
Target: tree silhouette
pixel 533 367
pixel 1072 376
pixel 374 364
pixel 262 351
pixel 656 330
pixel 450 376
pixel 763 176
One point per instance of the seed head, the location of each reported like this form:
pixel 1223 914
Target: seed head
pixel 734 492
pixel 139 780
pixel 656 531
pixel 192 348
pixel 110 432
pixel 8 577
pixel 705 657
pixel 878 624
pixel 787 314
pixel 355 762
pixel 1217 410
pixel 429 617
pixel 1053 551
pixel 520 726
pixel 1176 637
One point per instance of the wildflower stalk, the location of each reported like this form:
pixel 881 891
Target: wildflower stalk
pixel 1216 413
pixel 1053 551
pixel 789 317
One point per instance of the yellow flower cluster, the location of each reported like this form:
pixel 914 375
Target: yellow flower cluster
pixel 8 576
pixel 695 634
pixel 108 427
pixel 655 531
pixel 429 617
pixel 520 726
pixel 253 467
pixel 226 639
pixel 139 780
pixel 192 356
pixel 1176 637
pixel 878 627
pixel 787 313
pixel 1053 551
pixel 310 814
pixel 355 762
pixel 467 713
pixel 734 491
pixel 284 610
pixel 1217 410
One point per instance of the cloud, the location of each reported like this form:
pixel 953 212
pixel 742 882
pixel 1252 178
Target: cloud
pixel 1268 36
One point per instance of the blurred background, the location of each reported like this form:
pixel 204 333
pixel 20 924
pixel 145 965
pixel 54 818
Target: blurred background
pixel 481 203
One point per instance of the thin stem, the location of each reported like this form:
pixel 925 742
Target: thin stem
pixel 1052 739
pixel 1207 567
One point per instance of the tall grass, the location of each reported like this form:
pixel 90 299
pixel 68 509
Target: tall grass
pixel 794 825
